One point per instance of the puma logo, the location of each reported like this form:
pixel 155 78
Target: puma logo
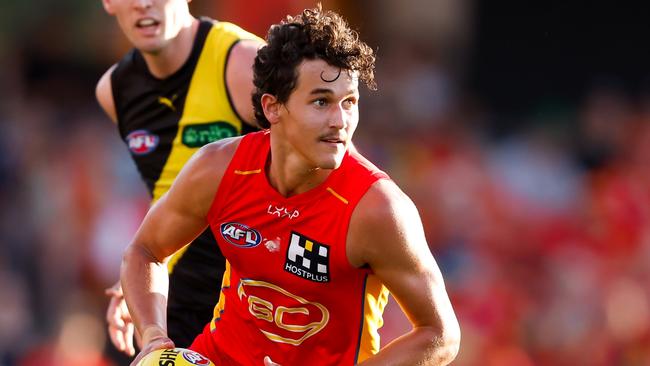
pixel 169 102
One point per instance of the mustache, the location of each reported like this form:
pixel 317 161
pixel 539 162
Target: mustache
pixel 333 136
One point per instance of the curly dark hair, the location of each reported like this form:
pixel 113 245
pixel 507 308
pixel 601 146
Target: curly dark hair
pixel 314 34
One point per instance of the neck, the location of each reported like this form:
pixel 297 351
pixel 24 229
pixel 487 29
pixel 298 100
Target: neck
pixel 290 175
pixel 172 57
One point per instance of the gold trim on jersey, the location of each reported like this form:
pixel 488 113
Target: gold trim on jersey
pixel 221 305
pixel 248 172
pixel 333 192
pixel 376 298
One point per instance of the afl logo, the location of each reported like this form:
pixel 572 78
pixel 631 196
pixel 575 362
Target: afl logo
pixel 240 235
pixel 195 358
pixel 142 142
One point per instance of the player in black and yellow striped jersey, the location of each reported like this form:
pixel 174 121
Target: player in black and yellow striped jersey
pixel 186 82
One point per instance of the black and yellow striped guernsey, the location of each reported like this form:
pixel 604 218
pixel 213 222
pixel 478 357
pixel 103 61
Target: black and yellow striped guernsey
pixel 163 122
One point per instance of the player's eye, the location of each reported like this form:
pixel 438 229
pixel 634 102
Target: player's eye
pixel 320 102
pixel 350 102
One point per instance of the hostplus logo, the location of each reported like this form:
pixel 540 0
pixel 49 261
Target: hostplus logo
pixel 307 258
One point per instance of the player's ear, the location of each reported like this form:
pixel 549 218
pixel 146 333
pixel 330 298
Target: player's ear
pixel 271 107
pixel 108 6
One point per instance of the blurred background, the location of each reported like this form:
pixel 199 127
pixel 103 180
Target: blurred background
pixel 520 129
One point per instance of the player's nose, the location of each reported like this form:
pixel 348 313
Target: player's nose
pixel 143 4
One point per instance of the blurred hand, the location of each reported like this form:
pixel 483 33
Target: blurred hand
pixel 120 325
pixel 269 362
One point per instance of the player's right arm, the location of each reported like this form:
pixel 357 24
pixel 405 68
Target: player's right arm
pixel 175 220
pixel 104 94
pixel 386 234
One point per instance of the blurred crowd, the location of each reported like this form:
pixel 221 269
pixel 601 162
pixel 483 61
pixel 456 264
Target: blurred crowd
pixel 543 234
pixel 542 229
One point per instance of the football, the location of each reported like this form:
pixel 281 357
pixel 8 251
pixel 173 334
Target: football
pixel 174 357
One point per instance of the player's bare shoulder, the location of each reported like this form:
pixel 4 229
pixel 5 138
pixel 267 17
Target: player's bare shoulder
pixel 243 55
pixel 199 180
pixel 239 77
pixel 382 217
pixel 221 149
pixel 211 160
pixel 383 201
pixel 104 94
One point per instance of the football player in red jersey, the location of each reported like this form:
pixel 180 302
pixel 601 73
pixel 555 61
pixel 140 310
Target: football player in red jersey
pixel 309 286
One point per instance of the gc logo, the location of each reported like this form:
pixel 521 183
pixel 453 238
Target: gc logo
pixel 286 324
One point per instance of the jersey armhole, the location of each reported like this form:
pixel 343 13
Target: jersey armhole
pixel 224 185
pixel 374 178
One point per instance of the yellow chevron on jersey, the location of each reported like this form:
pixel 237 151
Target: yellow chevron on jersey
pixel 207 99
pixel 207 102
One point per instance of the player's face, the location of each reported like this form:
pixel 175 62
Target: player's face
pixel 149 24
pixel 322 113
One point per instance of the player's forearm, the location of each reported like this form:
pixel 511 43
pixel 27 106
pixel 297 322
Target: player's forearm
pixel 421 346
pixel 145 283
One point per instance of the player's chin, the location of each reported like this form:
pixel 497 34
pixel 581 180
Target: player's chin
pixel 149 45
pixel 332 161
pixel 328 155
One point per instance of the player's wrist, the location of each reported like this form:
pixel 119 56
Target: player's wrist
pixel 152 333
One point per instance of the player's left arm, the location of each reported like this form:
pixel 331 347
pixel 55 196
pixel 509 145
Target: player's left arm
pixel 386 233
pixel 239 78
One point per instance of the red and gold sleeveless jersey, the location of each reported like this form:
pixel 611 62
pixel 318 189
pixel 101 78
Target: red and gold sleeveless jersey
pixel 290 292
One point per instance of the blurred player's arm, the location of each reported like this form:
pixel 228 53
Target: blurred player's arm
pixel 239 78
pixel 175 220
pixel 386 233
pixel 104 94
pixel 120 326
